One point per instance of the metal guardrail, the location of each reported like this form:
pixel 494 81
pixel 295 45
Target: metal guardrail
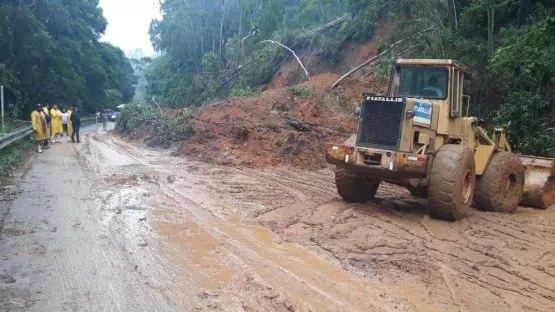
pixel 19 134
pixel 15 136
pixel 88 120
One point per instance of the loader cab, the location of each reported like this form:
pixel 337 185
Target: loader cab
pixel 440 81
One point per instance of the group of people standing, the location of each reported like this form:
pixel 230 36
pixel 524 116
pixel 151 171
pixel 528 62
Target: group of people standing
pixel 49 124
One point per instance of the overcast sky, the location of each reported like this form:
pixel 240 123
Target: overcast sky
pixel 128 22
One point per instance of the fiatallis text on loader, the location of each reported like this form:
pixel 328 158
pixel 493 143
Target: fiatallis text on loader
pixel 420 136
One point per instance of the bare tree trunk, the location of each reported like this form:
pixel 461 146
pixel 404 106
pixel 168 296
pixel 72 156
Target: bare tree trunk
pixel 239 35
pixel 490 28
pixel 374 58
pixel 194 35
pixel 455 14
pixel 323 11
pixel 453 18
pixel 294 54
pixel 11 34
pixel 222 38
pixel 202 24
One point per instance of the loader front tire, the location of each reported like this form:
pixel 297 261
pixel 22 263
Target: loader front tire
pixel 452 182
pixel 355 188
pixel 500 188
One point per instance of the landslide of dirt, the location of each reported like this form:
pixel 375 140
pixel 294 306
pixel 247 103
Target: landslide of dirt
pixel 287 126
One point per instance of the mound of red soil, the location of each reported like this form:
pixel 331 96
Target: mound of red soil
pixel 278 127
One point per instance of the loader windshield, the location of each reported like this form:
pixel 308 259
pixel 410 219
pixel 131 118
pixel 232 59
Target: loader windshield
pixel 421 81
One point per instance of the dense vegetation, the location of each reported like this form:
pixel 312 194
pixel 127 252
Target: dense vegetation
pixel 140 65
pixel 11 156
pixel 50 53
pixel 509 48
pixel 212 49
pixel 165 131
pixel 216 48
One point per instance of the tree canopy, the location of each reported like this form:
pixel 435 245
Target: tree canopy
pixel 50 53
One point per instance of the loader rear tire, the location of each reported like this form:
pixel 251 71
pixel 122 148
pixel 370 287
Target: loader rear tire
pixel 452 182
pixel 355 188
pixel 500 188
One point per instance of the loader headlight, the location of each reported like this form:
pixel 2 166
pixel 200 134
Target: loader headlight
pixel 410 114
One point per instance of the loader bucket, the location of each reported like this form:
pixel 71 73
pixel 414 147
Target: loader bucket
pixel 539 182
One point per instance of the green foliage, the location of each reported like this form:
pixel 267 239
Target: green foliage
pixel 140 66
pixel 509 49
pixel 50 53
pixel 526 65
pixel 166 131
pixel 241 90
pixel 328 46
pixel 114 98
pixel 210 63
pixel 11 157
pixel 208 43
pixel 301 92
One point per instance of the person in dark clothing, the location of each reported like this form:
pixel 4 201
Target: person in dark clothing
pixel 105 116
pixel 76 123
pixel 46 110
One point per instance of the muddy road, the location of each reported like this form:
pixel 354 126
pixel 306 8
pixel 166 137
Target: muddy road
pixel 108 225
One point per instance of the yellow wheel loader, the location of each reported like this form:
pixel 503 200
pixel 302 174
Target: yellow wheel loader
pixel 420 136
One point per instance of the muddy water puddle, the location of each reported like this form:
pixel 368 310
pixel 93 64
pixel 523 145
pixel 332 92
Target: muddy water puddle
pixel 222 255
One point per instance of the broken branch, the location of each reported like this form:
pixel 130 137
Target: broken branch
pixel 298 125
pixel 294 54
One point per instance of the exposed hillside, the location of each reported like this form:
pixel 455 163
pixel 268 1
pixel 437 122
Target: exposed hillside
pixel 352 54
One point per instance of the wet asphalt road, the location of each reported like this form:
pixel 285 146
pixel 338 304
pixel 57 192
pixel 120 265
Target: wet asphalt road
pixel 58 252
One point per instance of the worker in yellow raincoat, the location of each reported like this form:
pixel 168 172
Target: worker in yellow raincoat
pixel 40 127
pixel 69 125
pixel 46 113
pixel 56 124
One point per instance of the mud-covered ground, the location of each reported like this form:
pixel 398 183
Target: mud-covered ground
pixel 108 225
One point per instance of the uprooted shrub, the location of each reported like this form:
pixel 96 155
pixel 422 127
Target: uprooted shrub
pixel 160 130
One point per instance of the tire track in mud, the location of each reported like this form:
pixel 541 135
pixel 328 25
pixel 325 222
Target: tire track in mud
pixel 416 247
pixel 487 262
pixel 287 277
pixel 263 257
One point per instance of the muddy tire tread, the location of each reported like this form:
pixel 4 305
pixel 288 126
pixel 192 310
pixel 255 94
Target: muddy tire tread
pixel 352 187
pixel 444 190
pixel 488 195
